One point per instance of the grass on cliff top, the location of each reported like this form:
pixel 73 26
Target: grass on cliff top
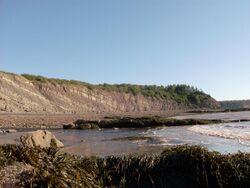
pixel 183 94
pixel 43 79
pixel 180 166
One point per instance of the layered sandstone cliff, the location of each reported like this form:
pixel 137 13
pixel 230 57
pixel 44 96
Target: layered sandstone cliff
pixel 19 94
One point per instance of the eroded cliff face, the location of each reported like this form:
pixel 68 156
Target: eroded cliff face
pixel 17 94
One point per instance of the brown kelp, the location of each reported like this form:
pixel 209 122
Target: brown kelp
pixel 179 166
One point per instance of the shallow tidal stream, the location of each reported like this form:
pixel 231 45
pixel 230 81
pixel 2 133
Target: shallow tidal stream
pixel 224 138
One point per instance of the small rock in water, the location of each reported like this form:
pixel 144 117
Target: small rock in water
pixel 11 131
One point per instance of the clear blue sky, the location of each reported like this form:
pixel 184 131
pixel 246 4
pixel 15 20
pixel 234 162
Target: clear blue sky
pixel 205 43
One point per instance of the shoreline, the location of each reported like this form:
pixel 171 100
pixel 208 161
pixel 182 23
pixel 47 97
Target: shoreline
pixel 52 121
pixel 125 141
pixel 91 144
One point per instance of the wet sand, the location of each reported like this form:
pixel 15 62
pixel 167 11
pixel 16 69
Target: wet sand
pixel 10 138
pixel 230 116
pixel 28 120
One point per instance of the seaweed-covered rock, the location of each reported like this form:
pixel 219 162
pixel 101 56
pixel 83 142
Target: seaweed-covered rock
pixel 141 122
pixel 82 124
pixel 41 138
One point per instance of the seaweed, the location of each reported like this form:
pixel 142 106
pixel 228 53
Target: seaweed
pixel 178 166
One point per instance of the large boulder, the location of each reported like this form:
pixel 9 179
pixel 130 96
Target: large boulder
pixel 42 138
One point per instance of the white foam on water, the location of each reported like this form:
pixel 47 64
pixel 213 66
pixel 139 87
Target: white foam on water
pixel 239 131
pixel 224 138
